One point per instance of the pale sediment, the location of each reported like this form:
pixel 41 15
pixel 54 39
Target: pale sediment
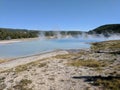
pixel 24 60
pixel 16 40
pixel 9 41
pixel 47 72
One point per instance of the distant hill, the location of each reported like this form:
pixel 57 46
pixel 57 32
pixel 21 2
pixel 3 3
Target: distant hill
pixel 106 29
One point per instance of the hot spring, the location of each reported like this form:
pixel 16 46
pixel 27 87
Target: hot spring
pixel 27 48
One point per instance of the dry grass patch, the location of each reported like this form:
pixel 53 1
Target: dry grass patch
pixel 2 61
pixel 113 84
pixel 69 56
pixel 65 56
pixel 20 68
pixel 23 85
pixel 28 66
pixel 86 63
pixel 106 46
pixel 25 67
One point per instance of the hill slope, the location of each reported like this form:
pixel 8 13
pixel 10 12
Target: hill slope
pixel 106 29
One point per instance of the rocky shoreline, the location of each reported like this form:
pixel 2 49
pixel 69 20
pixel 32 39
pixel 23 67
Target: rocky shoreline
pixel 88 69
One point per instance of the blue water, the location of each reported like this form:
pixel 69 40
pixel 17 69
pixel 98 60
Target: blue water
pixel 38 46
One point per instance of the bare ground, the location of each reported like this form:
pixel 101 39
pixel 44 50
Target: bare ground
pixel 51 71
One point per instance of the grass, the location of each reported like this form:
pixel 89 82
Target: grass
pixel 114 70
pixel 25 82
pixel 113 84
pixel 23 85
pixel 2 79
pixel 66 56
pixel 2 61
pixel 51 79
pixel 86 63
pixel 25 67
pixel 21 68
pixel 70 55
pixel 112 46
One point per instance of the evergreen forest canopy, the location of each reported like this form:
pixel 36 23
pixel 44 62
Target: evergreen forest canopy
pixel 7 33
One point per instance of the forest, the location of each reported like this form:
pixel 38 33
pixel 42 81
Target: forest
pixel 7 33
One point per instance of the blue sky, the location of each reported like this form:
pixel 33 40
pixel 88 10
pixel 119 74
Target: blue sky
pixel 58 14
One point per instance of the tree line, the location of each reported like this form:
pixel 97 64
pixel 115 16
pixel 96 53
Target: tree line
pixel 7 34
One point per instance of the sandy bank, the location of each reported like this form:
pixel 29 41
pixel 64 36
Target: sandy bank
pixel 9 41
pixel 16 40
pixel 28 59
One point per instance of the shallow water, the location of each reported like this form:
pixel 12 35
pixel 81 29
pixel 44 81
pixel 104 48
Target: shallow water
pixel 39 46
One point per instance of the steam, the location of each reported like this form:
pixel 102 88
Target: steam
pixel 42 35
pixel 114 37
pixel 80 36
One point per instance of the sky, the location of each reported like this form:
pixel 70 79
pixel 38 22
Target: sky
pixel 77 15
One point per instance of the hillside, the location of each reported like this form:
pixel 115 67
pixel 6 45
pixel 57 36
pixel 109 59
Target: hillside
pixel 106 29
